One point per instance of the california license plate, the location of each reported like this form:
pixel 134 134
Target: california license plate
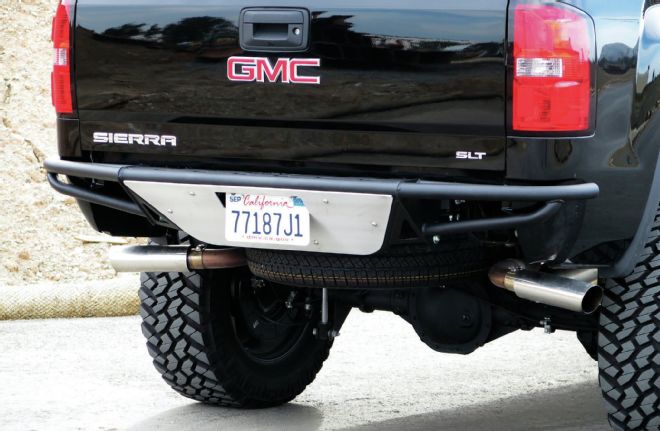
pixel 259 219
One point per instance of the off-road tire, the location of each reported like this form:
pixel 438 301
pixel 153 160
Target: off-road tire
pixel 401 266
pixel 188 327
pixel 628 343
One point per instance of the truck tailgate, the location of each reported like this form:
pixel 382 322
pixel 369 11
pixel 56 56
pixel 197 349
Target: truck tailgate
pixel 412 83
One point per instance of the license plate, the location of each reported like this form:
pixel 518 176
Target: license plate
pixel 255 218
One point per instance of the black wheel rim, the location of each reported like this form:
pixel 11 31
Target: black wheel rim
pixel 265 328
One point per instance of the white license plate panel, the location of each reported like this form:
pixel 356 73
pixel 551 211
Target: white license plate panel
pixel 266 219
pixel 340 222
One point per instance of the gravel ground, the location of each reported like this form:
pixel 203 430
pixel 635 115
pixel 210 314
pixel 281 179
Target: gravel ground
pixel 37 226
pixel 95 374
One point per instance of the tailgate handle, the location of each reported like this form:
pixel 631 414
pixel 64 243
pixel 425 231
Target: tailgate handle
pixel 274 30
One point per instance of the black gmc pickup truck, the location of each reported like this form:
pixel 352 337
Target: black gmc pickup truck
pixel 475 166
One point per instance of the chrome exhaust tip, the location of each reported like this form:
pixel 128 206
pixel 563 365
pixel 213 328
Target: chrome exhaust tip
pixel 576 289
pixel 158 258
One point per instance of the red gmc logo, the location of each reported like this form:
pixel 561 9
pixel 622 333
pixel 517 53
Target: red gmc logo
pixel 260 69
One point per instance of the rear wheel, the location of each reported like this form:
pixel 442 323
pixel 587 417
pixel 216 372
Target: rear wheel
pixel 220 338
pixel 628 343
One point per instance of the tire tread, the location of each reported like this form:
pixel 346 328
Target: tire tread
pixel 178 324
pixel 628 352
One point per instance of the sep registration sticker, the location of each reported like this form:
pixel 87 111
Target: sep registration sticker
pixel 266 219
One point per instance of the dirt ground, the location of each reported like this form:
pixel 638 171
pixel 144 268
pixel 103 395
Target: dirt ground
pixel 38 227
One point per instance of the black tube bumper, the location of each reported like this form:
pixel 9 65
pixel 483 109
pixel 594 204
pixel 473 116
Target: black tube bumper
pixel 550 198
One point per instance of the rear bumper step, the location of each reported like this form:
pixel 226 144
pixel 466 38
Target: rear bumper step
pixel 550 198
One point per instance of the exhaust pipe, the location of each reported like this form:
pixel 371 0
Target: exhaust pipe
pixel 157 258
pixel 574 289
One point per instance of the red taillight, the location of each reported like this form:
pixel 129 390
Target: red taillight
pixel 553 47
pixel 61 76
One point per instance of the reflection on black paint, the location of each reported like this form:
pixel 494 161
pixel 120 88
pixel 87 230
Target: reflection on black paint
pixel 617 59
pixel 203 35
pixel 399 87
pixel 336 41
pixel 377 70
pixel 126 31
